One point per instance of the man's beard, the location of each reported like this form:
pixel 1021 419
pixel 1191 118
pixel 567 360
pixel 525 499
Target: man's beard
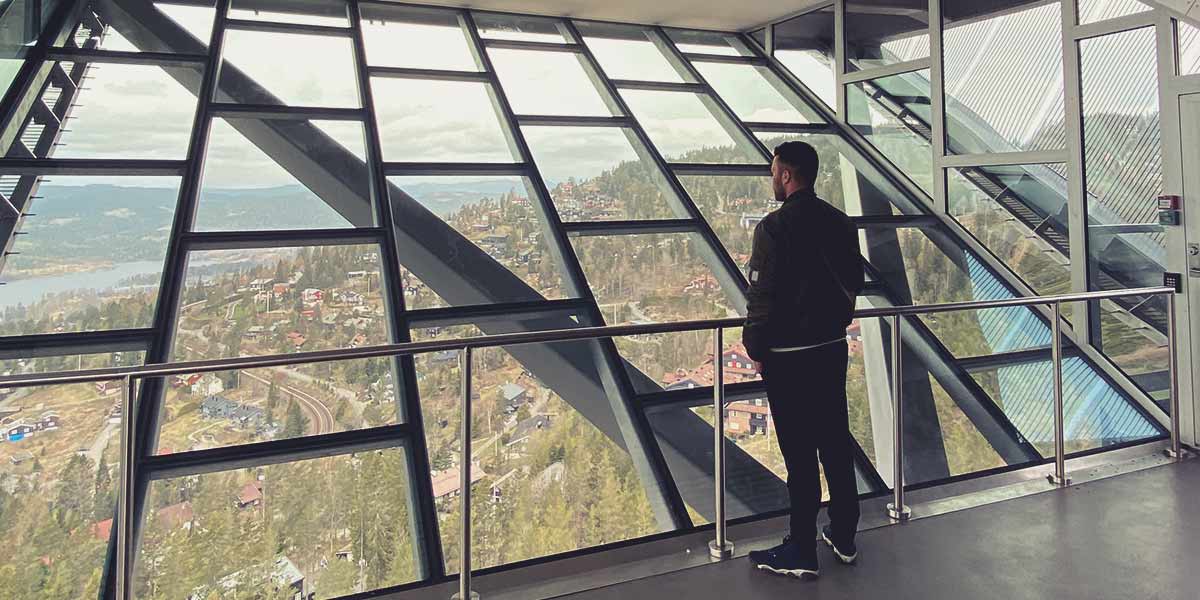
pixel 780 195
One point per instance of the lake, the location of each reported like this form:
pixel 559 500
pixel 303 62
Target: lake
pixel 29 291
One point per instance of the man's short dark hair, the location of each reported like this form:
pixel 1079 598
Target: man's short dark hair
pixel 801 159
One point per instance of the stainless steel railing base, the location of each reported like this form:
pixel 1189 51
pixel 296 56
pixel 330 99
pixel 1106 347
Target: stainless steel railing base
pixel 1058 481
pixel 904 513
pixel 472 596
pixel 720 551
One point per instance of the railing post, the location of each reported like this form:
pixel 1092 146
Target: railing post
pixel 1176 449
pixel 896 509
pixel 721 547
pixel 125 504
pixel 464 483
pixel 1059 477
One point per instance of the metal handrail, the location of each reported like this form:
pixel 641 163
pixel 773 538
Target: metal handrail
pixel 721 547
pixel 513 339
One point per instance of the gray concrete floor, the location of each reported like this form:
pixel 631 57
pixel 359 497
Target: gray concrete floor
pixel 1132 536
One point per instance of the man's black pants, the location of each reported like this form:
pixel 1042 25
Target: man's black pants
pixel 807 393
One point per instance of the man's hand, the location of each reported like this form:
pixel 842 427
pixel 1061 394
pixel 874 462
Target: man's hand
pixel 758 367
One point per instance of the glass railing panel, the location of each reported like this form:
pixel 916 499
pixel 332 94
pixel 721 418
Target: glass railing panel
pixel 550 472
pixel 323 527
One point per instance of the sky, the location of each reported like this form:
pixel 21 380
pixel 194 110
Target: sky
pixel 133 111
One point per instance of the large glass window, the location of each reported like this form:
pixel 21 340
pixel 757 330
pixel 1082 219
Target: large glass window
pixel 260 69
pixel 805 45
pixel 548 83
pixel 630 53
pixel 876 38
pixel 600 174
pixel 889 113
pixel 687 127
pixel 708 42
pixel 1123 171
pixel 497 215
pixel 1187 37
pixel 935 270
pixel 425 120
pixel 1003 207
pixel 755 94
pixel 651 278
pixel 1003 74
pixel 245 189
pixel 332 13
pixel 92 255
pixel 521 27
pixel 61 454
pixel 324 527
pixel 124 111
pixel 280 300
pixel 196 20
pixel 230 408
pixel 414 37
pixel 1091 11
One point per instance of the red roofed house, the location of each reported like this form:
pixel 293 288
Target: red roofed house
pixel 102 529
pixel 446 483
pixel 175 516
pixel 751 417
pixel 251 495
pixel 296 339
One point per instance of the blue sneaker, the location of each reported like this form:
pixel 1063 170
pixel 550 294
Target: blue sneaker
pixel 845 551
pixel 791 560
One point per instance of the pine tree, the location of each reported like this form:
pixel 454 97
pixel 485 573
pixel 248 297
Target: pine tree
pixel 104 498
pixel 295 423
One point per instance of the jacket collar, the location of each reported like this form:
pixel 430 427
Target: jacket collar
pixel 801 195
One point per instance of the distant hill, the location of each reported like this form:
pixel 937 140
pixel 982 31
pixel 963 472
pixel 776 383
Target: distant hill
pixel 123 224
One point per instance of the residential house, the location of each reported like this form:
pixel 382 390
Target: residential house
pixel 359 339
pixel 748 417
pixel 48 421
pixel 311 295
pixel 108 387
pixel 101 530
pixel 250 496
pixel 259 285
pixel 208 385
pixel 18 431
pixel 175 516
pixel 297 340
pixel 446 483
pixel 514 395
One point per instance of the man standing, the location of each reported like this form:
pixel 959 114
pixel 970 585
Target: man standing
pixel 805 275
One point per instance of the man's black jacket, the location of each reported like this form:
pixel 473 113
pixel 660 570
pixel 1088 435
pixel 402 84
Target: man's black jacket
pixel 805 274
